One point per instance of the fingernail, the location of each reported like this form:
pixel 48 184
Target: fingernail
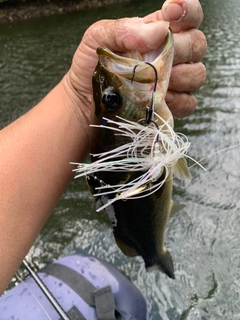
pixel 175 11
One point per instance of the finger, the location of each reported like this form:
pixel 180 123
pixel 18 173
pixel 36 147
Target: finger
pixel 120 36
pixel 181 104
pixel 182 14
pixel 138 34
pixel 156 15
pixel 189 46
pixel 127 34
pixel 187 77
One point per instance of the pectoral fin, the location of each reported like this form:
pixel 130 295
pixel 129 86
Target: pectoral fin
pixel 176 207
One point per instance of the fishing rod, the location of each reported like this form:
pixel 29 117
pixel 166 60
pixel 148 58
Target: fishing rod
pixel 46 291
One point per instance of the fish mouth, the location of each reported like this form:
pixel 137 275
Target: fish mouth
pixel 160 58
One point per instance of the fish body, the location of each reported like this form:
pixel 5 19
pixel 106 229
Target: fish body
pixel 133 160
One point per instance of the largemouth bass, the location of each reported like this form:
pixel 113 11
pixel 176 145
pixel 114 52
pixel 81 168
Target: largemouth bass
pixel 135 151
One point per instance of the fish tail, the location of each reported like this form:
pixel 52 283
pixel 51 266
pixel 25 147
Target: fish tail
pixel 164 264
pixel 167 264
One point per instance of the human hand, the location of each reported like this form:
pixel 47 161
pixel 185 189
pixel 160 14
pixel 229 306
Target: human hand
pixel 188 73
pixel 128 34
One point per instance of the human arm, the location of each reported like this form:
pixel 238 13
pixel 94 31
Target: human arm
pixel 36 149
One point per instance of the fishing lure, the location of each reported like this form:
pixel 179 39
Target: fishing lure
pixel 151 150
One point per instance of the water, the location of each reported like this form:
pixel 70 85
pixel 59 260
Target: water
pixel 204 237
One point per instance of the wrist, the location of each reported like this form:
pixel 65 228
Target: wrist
pixel 80 102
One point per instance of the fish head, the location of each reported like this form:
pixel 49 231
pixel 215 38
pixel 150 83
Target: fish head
pixel 124 85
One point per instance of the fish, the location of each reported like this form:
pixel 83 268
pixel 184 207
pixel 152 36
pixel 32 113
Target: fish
pixel 135 151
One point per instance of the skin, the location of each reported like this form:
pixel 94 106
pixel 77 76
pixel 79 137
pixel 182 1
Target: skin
pixel 36 149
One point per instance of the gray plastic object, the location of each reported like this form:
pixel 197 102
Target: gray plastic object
pixel 84 286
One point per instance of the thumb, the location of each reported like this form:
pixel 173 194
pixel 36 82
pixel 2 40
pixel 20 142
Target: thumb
pixel 121 36
pixel 127 34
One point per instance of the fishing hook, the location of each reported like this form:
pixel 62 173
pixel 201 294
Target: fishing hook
pixel 149 110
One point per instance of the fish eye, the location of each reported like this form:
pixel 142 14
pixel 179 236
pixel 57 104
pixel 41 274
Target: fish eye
pixel 111 100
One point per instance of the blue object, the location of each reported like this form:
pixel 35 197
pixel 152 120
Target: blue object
pixel 85 287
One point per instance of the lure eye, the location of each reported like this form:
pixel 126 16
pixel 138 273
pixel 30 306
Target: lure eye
pixel 111 100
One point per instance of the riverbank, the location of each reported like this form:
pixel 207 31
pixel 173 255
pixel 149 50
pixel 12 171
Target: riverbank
pixel 25 11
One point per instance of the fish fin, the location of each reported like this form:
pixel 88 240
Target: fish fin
pixel 164 264
pixel 176 207
pixel 109 210
pixel 181 170
pixel 126 249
